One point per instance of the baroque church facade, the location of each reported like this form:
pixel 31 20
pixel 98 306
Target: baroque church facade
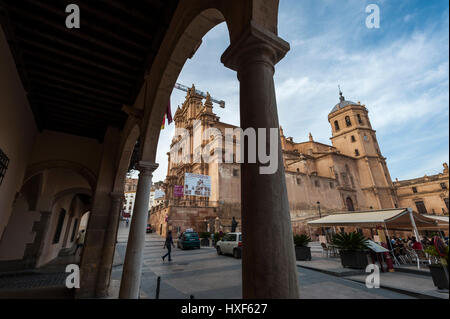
pixel 349 175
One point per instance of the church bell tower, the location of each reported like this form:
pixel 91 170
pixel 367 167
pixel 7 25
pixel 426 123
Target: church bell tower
pixel 353 136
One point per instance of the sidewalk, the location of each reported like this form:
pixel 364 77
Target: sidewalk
pixel 48 281
pixel 418 284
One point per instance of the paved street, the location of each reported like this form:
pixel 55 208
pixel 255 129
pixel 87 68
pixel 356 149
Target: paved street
pixel 206 275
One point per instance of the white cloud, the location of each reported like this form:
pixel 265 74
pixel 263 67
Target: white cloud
pixel 402 78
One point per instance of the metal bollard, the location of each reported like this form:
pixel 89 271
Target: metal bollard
pixel 158 283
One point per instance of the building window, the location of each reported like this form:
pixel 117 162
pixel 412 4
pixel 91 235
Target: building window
pixel 59 225
pixel 235 172
pixel 366 138
pixel 317 183
pixel 414 189
pixel 421 207
pixel 359 118
pixel 299 181
pixel 446 202
pixel 4 162
pixel 336 125
pixel 356 152
pixel 347 121
pixel 353 139
pixel 331 185
pixel 443 186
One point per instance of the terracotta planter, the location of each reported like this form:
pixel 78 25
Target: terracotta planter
pixel 440 279
pixel 354 259
pixel 302 253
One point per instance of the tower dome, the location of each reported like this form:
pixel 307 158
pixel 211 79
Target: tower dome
pixel 342 103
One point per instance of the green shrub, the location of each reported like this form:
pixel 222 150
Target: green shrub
pixel 205 235
pixel 431 250
pixel 350 242
pixel 301 240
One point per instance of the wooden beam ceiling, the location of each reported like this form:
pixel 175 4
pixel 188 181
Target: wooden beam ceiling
pixel 77 80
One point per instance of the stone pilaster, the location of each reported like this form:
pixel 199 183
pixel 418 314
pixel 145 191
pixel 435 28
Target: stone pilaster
pixel 109 245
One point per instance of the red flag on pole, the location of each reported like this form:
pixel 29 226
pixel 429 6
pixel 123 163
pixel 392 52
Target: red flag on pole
pixel 169 114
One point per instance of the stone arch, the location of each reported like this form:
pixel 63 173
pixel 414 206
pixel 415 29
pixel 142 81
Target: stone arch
pixel 183 49
pixel 70 191
pixel 191 21
pixel 80 169
pixel 31 190
pixel 252 26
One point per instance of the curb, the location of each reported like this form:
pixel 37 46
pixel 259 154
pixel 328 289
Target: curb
pixel 404 292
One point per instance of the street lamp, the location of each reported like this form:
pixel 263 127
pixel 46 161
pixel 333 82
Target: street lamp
pixel 318 205
pixel 320 216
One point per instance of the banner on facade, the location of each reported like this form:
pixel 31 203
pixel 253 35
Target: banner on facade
pixel 178 191
pixel 197 185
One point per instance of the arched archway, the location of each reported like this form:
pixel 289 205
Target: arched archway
pixel 80 169
pixel 131 135
pixel 45 184
pixel 254 50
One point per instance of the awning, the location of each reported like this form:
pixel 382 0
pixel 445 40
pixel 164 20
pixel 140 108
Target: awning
pixel 376 248
pixel 393 218
pixel 442 222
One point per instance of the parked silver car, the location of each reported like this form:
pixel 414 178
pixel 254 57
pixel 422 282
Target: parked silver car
pixel 230 244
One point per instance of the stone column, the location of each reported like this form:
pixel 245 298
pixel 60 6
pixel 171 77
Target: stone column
pixel 131 276
pixel 268 269
pixel 109 245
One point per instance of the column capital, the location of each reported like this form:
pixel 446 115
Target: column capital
pixel 256 43
pixel 146 168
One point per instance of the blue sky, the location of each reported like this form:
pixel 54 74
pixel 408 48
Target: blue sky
pixel 399 71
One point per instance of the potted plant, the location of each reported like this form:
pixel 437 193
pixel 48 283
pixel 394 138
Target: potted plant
pixel 204 238
pixel 302 251
pixel 353 248
pixel 439 271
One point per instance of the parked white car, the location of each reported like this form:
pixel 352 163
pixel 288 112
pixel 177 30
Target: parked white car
pixel 230 244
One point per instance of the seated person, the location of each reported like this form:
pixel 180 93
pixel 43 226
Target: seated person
pixel 416 245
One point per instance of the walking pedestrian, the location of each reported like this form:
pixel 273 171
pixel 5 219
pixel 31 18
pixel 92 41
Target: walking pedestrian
pixel 127 221
pixel 168 244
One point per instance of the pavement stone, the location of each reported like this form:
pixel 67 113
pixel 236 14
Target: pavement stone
pixel 205 275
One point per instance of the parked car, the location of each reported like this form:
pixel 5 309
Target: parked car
pixel 188 239
pixel 149 228
pixel 230 244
